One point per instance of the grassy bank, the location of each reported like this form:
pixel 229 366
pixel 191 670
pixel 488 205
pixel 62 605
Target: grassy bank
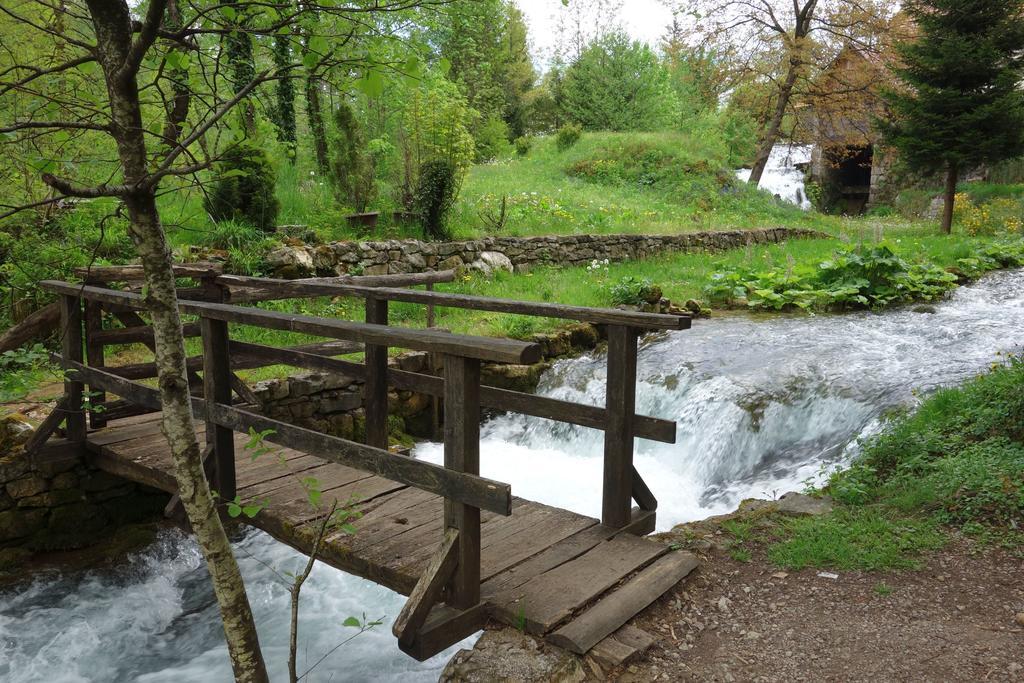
pixel 953 466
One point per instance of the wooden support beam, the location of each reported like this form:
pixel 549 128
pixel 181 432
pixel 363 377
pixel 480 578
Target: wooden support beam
pixel 217 389
pixel 241 359
pixel 47 427
pixel 642 493
pixel 135 273
pixel 136 335
pixel 243 391
pixel 445 627
pixel 94 357
pixel 428 589
pixel 375 388
pixel 620 407
pixel 252 289
pixel 462 454
pixel 71 349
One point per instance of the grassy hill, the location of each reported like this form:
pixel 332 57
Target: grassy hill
pixel 620 182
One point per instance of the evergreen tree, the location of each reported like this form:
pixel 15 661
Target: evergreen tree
pixel 619 84
pixel 963 104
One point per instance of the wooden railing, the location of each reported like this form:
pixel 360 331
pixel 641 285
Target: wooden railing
pixel 455 571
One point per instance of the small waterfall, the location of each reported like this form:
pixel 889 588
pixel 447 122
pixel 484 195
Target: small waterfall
pixel 784 175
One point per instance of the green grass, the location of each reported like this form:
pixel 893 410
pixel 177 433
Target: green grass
pixel 855 538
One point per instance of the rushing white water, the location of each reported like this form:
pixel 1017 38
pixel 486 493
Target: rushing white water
pixel 782 176
pixel 762 405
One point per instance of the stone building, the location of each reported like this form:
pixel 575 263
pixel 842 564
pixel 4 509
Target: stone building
pixel 848 162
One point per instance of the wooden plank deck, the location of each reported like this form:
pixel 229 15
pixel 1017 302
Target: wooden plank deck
pixel 539 567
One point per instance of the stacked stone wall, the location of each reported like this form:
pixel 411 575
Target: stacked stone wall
pixel 389 257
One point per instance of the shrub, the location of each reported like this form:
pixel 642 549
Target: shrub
pixel 631 291
pixel 435 196
pixel 523 144
pixel 567 136
pixel 492 140
pixel 243 188
pixel 999 215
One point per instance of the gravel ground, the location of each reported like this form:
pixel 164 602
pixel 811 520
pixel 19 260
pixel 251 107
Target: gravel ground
pixel 960 617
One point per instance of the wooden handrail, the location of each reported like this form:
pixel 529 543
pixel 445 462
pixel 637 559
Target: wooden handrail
pixel 468 489
pixel 644 427
pixel 480 348
pixel 603 316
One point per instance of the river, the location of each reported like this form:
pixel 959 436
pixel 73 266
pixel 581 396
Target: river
pixel 763 404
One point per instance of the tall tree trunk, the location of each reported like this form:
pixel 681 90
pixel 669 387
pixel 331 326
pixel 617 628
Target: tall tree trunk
pixel 112 24
pixel 949 197
pixel 317 127
pixel 284 113
pixel 771 133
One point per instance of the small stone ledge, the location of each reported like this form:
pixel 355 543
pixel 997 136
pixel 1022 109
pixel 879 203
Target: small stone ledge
pixel 58 501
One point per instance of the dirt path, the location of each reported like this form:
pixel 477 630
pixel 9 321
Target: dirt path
pixel 955 619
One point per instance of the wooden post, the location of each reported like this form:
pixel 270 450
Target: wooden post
pixel 217 389
pixel 620 403
pixel 71 349
pixel 375 399
pixel 430 307
pixel 462 454
pixel 95 357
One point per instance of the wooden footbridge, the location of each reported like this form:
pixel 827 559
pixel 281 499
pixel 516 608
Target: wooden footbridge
pixel 461 546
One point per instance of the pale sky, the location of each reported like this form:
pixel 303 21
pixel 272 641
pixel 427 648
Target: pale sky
pixel 642 19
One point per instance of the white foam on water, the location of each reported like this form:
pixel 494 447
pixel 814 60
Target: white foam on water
pixel 781 176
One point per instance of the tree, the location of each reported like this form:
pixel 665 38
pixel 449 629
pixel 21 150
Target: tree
pixel 486 44
pixel 962 104
pixel 619 84
pixel 150 87
pixel 698 73
pixel 781 44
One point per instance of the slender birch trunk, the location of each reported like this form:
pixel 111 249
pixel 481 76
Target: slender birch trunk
pixel 112 24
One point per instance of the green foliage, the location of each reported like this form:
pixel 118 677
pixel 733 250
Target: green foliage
pixel 619 84
pixel 857 277
pixel 523 144
pixel 352 168
pixel 492 140
pixel 32 250
pixel 243 188
pixel 567 136
pixel 436 193
pixel 486 45
pixel 18 368
pixel 631 291
pixel 962 105
pixel 436 120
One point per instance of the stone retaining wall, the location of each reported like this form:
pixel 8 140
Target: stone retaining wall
pixel 520 253
pixel 60 502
